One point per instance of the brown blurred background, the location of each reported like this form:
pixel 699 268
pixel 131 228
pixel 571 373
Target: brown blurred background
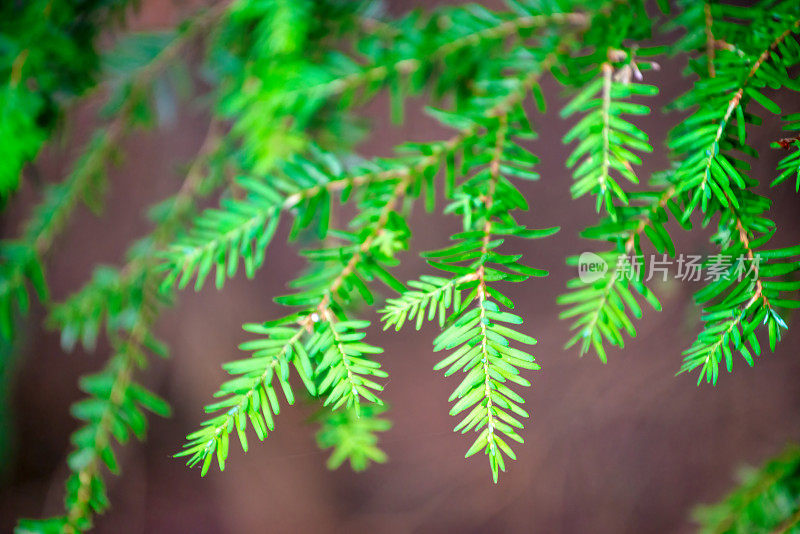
pixel 616 448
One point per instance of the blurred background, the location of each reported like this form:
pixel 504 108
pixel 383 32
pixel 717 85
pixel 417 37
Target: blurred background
pixel 615 448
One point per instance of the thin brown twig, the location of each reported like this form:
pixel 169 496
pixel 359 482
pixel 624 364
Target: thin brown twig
pixel 710 41
pixel 494 176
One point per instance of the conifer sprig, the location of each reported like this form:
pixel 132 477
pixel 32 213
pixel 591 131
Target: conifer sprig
pixel 706 174
pixel 353 438
pixel 609 88
pixel 323 302
pixel 605 155
pixel 756 284
pixel 607 140
pixel 487 386
pixel 242 229
pixel 320 342
pixel 113 410
pixel 432 293
pixel 600 308
pixel 475 328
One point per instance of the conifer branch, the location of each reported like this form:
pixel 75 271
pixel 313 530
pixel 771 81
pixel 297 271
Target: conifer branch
pixel 713 157
pixel 326 335
pixel 599 306
pixel 502 29
pixel 285 78
pixel 320 318
pixel 733 310
pixel 483 350
pixel 83 499
pixel 256 217
pixel 262 207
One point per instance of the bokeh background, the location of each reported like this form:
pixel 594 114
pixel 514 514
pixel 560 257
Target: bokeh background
pixel 616 448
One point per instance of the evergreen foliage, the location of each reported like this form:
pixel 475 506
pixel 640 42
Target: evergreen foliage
pixel 766 501
pixel 711 175
pixel 284 78
pixel 49 55
pixel 352 437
